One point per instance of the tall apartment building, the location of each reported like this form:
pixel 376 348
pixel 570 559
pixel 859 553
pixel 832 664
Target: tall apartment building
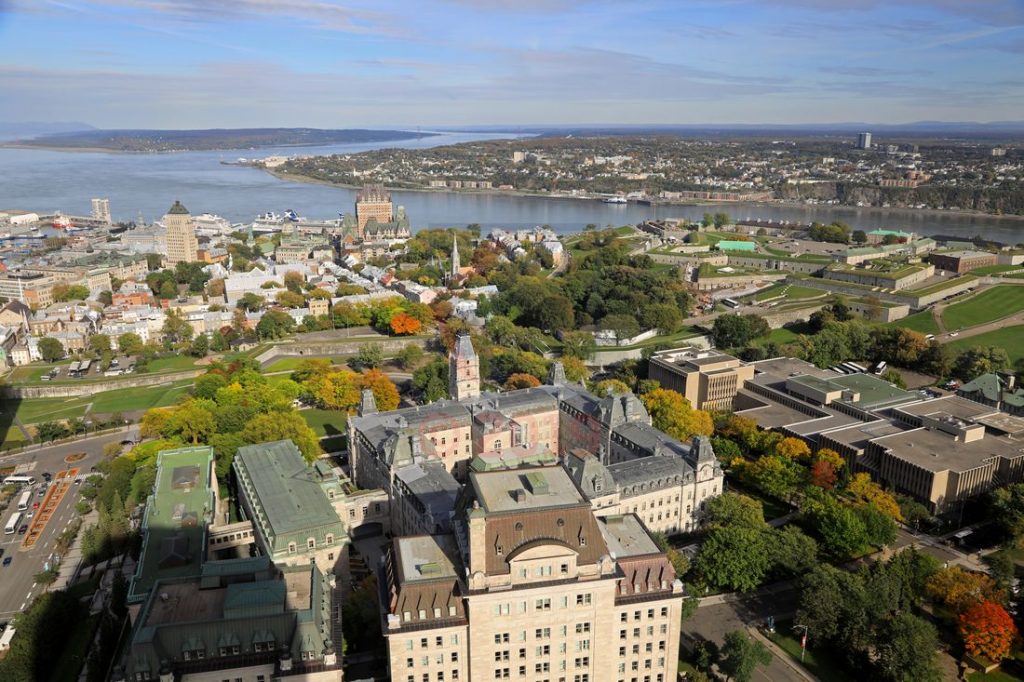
pixel 373 202
pixel 707 379
pixel 101 210
pixel 532 586
pixel 864 141
pixel 181 236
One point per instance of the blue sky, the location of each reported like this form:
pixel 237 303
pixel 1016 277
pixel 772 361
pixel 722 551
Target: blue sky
pixel 239 63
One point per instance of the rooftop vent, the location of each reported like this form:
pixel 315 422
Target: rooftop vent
pixel 537 483
pixel 519 495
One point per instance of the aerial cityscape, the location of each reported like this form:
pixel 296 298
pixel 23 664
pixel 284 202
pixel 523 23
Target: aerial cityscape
pixel 538 341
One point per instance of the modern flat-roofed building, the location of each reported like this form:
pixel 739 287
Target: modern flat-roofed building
pixel 962 261
pixel 243 619
pixel 531 585
pixel 291 505
pixel 709 380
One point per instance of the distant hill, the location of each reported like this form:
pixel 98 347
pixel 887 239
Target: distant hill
pixel 213 139
pixel 16 130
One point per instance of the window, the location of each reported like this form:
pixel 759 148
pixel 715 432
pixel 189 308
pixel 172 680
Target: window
pixel 564 569
pixel 310 543
pixel 455 657
pixel 291 548
pixel 501 638
pixel 455 640
pixel 543 605
pixel 583 599
pixel 423 643
pixel 544 650
pixel 582 627
pixel 542 633
pixel 542 667
pixel 330 539
pixel 501 656
pixel 409 663
pixel 439 641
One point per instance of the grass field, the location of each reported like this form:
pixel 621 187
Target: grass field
pixel 1008 338
pixel 325 422
pixel 923 322
pixel 994 269
pixel 991 304
pixel 821 663
pixel 782 335
pixel 126 400
pixel 31 374
pixel 292 364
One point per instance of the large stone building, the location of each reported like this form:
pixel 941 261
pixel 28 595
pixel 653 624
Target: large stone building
pixel 373 202
pixel 198 619
pixel 182 246
pixel 709 380
pixel 290 504
pixel 531 585
pixel 422 455
pixel 1001 390
pixel 962 261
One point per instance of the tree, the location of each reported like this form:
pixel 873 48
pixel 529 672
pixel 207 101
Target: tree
pixel 792 551
pixel 893 376
pixel 290 299
pixel 410 356
pixel 734 511
pixel 840 527
pixel 859 237
pixel 207 385
pixel 867 492
pixel 192 421
pixel 793 448
pixel 99 343
pixel 959 590
pixel 721 219
pixel 578 345
pixel 609 387
pixel 623 326
pixel 293 281
pixel 907 650
pixel 1008 508
pixel 978 360
pixel 665 317
pixel 823 475
pixel 403 324
pixel 987 630
pixel 250 302
pixel 734 558
pixel 385 393
pixel 168 289
pixel 370 355
pixel 176 329
pixel 521 380
pixel 72 292
pixel 280 426
pixel 734 331
pixel 200 346
pixel 130 343
pixel 774 475
pixel 432 380
pixel 275 324
pixel 575 369
pixel 51 349
pixel 671 412
pixel 741 655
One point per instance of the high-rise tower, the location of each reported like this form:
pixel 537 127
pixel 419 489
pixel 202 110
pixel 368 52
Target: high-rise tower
pixel 463 369
pixel 373 202
pixel 181 236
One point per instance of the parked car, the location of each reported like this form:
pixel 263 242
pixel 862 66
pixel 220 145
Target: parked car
pixel 8 560
pixel 23 529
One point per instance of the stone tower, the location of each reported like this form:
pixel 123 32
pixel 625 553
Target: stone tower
pixel 463 369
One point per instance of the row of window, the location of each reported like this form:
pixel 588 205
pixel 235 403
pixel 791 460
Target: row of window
pixel 422 613
pixel 440 676
pixel 542 650
pixel 648 664
pixel 544 667
pixel 438 641
pixel 311 543
pixel 410 662
pixel 662 629
pixel 648 648
pixel 639 613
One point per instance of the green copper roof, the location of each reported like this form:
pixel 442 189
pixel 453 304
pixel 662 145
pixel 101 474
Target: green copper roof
pixel 178 209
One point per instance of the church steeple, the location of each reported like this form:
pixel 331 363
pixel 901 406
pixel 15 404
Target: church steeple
pixel 456 264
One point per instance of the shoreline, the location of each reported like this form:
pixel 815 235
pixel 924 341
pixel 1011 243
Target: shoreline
pixel 293 145
pixel 653 203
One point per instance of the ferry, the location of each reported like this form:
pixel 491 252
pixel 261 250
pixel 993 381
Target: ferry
pixel 62 222
pixel 615 200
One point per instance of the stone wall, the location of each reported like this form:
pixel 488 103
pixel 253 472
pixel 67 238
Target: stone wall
pixel 782 318
pixel 342 347
pixel 74 389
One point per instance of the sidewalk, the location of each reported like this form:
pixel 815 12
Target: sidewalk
pixel 71 562
pixel 782 655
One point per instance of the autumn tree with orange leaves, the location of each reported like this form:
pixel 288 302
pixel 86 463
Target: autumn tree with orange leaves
pixel 521 380
pixel 988 630
pixel 403 323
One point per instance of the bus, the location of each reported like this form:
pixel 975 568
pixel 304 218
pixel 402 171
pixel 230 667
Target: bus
pixel 12 524
pixel 731 303
pixel 73 369
pixel 880 367
pixel 20 480
pixel 23 501
pixel 860 369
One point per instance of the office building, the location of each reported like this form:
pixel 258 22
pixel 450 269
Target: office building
pixel 531 585
pixel 373 202
pixel 709 380
pixel 864 141
pixel 182 246
pixel 101 210
pixel 962 261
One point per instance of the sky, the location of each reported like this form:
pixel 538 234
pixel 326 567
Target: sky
pixel 423 63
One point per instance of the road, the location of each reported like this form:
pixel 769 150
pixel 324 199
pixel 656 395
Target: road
pixel 712 621
pixel 17 582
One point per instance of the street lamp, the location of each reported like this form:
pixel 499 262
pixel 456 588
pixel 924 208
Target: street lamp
pixel 803 640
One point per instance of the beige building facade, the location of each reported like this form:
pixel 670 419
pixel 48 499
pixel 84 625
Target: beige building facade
pixel 181 236
pixel 707 379
pixel 373 202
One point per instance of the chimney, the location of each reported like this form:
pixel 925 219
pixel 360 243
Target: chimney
pixel 477 540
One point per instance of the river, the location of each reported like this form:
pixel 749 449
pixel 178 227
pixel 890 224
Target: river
pixel 46 181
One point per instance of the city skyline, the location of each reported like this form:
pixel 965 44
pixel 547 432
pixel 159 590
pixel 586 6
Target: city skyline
pixel 251 63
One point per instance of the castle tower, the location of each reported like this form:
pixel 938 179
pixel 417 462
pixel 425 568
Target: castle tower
pixel 456 265
pixel 463 369
pixel 367 403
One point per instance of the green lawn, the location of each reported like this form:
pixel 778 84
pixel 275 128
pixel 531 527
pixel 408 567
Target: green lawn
pixel 1008 338
pixel 820 662
pixel 996 675
pixel 45 409
pixel 31 374
pixel 174 363
pixel 994 269
pixel 782 335
pixel 141 398
pixel 325 422
pixel 771 292
pixel 292 363
pixel 991 304
pixel 923 322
